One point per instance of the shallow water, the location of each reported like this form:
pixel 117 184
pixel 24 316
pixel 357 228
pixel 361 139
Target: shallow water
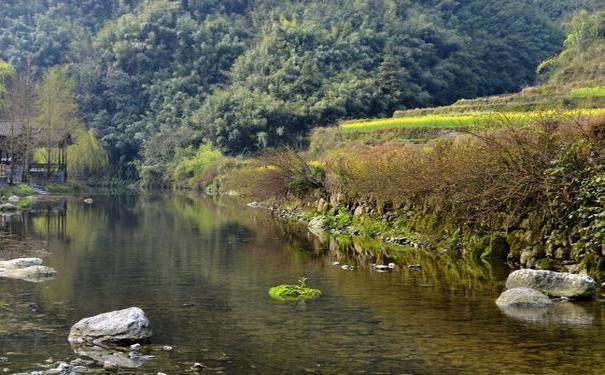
pixel 201 270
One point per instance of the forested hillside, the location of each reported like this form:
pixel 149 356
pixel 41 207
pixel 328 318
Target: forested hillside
pixel 158 78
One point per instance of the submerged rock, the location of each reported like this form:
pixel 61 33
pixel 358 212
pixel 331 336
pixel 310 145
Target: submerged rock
pixel 26 269
pixel 123 326
pixel 523 297
pixel 554 284
pixel 112 359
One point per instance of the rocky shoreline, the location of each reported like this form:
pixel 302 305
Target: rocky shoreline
pixel 335 215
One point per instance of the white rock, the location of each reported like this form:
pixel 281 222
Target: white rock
pixel 523 297
pixel 89 201
pixel 14 199
pixel 27 269
pixel 554 284
pixel 20 263
pixel 126 325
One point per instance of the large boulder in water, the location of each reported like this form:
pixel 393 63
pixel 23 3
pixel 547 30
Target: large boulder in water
pixel 20 263
pixel 554 284
pixel 27 269
pixel 116 327
pixel 523 297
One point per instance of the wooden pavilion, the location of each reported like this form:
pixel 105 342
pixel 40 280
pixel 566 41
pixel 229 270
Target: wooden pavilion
pixel 17 146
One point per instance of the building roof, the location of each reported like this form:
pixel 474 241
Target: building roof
pixel 40 136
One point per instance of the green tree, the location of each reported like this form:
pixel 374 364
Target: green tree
pixel 56 112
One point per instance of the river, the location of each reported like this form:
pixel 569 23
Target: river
pixel 201 271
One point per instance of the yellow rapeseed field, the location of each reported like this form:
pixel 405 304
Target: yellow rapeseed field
pixel 465 120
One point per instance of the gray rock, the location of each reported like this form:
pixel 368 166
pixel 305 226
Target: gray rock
pixel 523 297
pixel 554 284
pixel 123 326
pixel 62 368
pixel 27 269
pixel 8 207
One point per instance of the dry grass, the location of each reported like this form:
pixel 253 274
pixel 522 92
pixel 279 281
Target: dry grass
pixel 476 178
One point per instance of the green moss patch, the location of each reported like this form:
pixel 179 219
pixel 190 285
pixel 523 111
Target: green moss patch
pixel 293 292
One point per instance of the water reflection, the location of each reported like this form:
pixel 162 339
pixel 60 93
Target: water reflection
pixel 566 313
pixel 201 270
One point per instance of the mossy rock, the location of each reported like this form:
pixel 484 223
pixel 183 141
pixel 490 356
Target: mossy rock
pixel 547 264
pixel 293 293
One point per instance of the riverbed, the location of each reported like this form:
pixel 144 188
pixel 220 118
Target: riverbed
pixel 201 270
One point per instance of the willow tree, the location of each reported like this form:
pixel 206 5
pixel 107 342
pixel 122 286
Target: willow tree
pixel 6 70
pixel 7 74
pixel 87 155
pixel 56 112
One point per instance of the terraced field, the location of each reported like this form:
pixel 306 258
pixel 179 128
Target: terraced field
pixel 466 119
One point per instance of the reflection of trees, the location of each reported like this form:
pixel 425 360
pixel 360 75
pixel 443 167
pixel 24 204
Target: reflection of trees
pixel 66 221
pixel 202 270
pixel 437 268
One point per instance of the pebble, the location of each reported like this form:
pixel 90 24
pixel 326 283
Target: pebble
pixel 135 346
pixel 167 348
pixel 109 366
pixel 81 362
pixel 381 268
pixel 198 366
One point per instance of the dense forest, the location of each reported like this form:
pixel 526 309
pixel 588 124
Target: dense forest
pixel 156 79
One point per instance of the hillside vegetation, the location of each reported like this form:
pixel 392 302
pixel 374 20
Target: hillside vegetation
pixel 573 87
pixel 526 185
pixel 165 76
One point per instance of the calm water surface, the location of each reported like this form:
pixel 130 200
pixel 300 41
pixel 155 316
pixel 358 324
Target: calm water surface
pixel 201 270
